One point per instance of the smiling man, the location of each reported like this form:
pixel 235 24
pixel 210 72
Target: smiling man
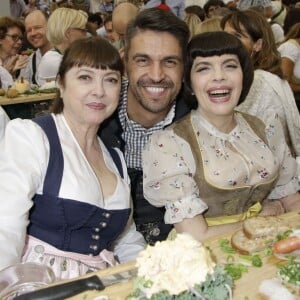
pixel 35 26
pixel 155 45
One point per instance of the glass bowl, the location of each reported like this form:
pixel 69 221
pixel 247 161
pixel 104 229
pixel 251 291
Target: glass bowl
pixel 23 278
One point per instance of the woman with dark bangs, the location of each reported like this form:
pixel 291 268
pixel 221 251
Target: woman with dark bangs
pixel 65 196
pixel 216 167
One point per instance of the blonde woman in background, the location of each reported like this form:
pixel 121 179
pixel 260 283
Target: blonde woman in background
pixel 65 25
pixel 210 25
pixel 193 23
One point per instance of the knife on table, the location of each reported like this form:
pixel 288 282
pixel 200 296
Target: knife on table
pixel 69 289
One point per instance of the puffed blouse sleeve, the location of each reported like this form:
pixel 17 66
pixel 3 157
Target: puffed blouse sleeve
pixel 288 182
pixel 23 161
pixel 169 169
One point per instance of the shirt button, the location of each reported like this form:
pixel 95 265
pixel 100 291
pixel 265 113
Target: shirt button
pixel 39 249
pixel 97 229
pixel 155 232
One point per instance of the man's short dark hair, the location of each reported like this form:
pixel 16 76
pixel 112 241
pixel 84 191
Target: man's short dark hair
pixel 158 20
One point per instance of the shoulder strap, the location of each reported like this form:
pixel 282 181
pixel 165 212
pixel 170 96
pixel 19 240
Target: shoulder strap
pixel 117 160
pixel 33 68
pixel 55 167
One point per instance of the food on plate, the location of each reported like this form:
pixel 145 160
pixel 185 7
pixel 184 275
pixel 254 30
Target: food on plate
pixel 287 245
pixel 2 92
pixel 48 87
pixel 12 93
pixel 270 226
pixel 21 85
pixel 289 274
pixel 179 269
pixel 257 234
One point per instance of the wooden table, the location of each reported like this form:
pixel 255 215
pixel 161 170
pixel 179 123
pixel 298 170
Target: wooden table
pixel 27 98
pixel 245 288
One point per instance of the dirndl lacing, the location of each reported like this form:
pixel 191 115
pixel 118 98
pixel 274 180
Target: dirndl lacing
pixel 65 265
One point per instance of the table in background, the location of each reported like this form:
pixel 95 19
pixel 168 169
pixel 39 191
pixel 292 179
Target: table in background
pixel 40 97
pixel 27 106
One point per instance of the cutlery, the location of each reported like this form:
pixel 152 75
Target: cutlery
pixel 71 288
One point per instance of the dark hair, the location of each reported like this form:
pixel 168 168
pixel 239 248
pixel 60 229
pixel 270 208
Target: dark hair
pixel 94 52
pixel 95 18
pixel 158 20
pixel 209 44
pixel 292 17
pixel 256 25
pixel 8 22
pixel 197 10
pixel 210 3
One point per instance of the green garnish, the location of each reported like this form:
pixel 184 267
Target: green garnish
pixel 290 272
pixel 255 259
pixel 236 270
pixel 284 235
pixel 225 246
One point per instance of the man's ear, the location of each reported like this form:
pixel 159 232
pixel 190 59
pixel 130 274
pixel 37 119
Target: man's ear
pixel 258 45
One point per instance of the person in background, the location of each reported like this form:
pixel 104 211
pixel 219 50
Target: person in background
pixel 107 6
pixel 36 27
pixel 31 6
pixel 212 5
pixel 193 22
pixel 106 31
pixel 270 93
pixel 69 206
pixel 11 39
pixel 17 8
pixel 121 16
pixel 216 167
pixel 197 10
pixel 155 48
pixel 65 25
pixel 95 21
pixel 210 24
pixel 266 4
pixel 290 60
pixel 177 6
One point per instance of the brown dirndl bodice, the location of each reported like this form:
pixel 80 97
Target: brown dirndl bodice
pixel 223 201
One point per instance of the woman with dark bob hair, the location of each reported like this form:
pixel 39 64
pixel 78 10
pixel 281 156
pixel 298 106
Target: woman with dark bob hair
pixel 216 167
pixel 65 196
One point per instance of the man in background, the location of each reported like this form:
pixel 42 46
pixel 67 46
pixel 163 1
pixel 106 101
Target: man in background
pixel 35 27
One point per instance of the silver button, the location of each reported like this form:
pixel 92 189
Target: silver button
pixel 97 229
pixel 96 236
pixel 103 224
pixel 94 247
pixel 106 215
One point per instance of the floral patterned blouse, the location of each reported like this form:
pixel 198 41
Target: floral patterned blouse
pixel 239 158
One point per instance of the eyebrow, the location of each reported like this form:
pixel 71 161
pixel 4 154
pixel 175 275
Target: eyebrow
pixel 176 57
pixel 236 60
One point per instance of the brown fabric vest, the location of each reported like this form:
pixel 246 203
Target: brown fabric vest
pixel 224 201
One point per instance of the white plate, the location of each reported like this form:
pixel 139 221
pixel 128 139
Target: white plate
pixel 296 253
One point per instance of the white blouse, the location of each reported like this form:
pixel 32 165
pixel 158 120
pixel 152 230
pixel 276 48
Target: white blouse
pixel 23 164
pixel 237 159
